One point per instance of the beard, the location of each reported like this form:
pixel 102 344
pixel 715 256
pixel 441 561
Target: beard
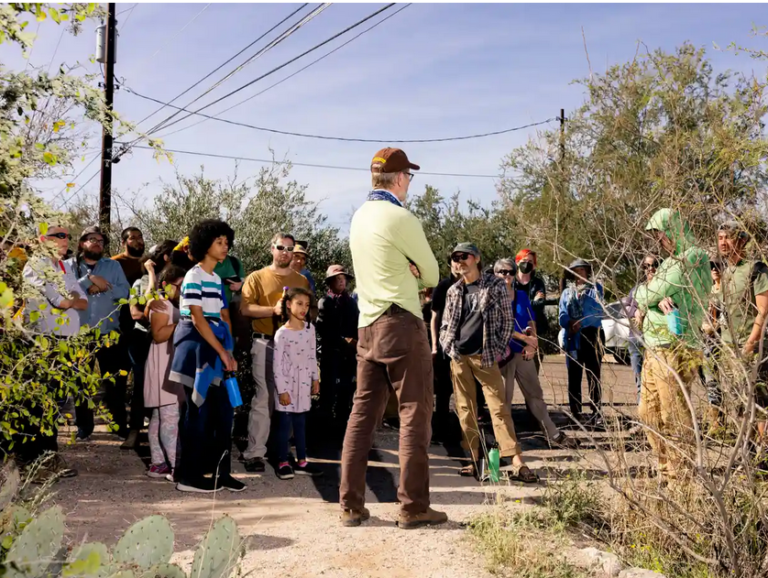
pixel 93 255
pixel 135 251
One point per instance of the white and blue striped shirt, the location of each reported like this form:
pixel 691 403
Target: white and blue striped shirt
pixel 204 290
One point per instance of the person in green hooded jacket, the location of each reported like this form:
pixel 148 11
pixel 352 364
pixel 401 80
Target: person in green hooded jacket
pixel 671 310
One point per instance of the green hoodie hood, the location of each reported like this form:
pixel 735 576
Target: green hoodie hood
pixel 671 223
pixel 684 277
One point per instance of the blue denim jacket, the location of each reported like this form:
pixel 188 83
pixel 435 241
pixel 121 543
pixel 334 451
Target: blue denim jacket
pixel 103 309
pixel 586 305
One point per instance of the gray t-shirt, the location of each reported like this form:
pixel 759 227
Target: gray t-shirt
pixel 469 340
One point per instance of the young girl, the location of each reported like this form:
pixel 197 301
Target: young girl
pixel 296 381
pixel 163 396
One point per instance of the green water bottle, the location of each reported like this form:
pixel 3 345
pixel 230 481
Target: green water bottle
pixel 493 464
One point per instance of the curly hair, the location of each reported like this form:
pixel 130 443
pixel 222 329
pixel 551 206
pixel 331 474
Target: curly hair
pixel 289 296
pixel 204 234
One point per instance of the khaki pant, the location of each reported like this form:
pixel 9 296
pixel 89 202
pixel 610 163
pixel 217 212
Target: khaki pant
pixel 663 406
pixel 392 353
pixel 464 372
pixel 528 377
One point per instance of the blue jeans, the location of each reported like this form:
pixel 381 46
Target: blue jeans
pixel 636 359
pixel 298 421
pixel 207 435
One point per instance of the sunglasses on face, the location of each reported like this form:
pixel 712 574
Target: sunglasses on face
pixel 283 248
pixel 505 273
pixel 648 266
pixel 458 257
pixel 58 235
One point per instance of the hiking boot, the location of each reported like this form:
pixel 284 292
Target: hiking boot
pixel 255 465
pixel 131 441
pixel 407 521
pixel 353 518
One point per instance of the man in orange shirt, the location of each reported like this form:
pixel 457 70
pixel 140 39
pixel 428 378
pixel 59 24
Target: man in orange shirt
pixel 263 301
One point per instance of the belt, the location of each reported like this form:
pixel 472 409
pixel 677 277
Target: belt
pixel 395 309
pixel 263 336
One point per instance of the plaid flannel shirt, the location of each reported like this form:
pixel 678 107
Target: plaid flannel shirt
pixel 498 319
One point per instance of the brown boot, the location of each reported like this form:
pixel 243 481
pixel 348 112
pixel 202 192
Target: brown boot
pixel 353 518
pixel 431 517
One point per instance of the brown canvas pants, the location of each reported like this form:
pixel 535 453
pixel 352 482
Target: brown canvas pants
pixel 393 350
pixel 464 373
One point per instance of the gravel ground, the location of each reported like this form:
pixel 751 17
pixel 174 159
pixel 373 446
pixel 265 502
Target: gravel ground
pixel 292 527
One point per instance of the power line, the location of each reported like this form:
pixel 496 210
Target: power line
pixel 348 139
pixel 286 34
pixel 127 9
pixel 326 55
pixel 292 60
pixel 77 176
pixel 310 165
pixel 121 28
pixel 223 64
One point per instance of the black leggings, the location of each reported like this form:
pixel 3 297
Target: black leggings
pixel 590 357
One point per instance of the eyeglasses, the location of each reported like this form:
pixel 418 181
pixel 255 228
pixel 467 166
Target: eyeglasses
pixel 458 257
pixel 58 235
pixel 98 240
pixel 410 176
pixel 505 272
pixel 284 248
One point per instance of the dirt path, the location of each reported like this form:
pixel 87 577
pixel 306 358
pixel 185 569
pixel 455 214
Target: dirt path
pixel 292 527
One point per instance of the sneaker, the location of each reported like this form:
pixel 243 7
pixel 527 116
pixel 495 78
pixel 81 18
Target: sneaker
pixel 229 483
pixel 159 471
pixel 353 518
pixel 307 469
pixel 201 486
pixel 285 472
pixel 255 465
pixel 563 441
pixel 431 517
pixel 131 441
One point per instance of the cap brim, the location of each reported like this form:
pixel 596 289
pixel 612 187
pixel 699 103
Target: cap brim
pixel 414 167
pixel 339 273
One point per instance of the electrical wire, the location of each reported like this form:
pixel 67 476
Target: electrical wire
pixel 349 139
pixel 292 60
pixel 223 64
pixel 311 165
pixel 77 176
pixel 122 27
pixel 326 55
pixel 286 34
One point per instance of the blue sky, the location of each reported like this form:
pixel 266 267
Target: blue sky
pixel 434 70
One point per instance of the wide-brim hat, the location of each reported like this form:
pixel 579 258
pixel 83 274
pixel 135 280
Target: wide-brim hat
pixel 335 271
pixel 300 248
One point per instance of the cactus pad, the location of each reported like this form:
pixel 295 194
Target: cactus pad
pixel 10 484
pixel 218 553
pixel 90 559
pixel 164 571
pixel 35 549
pixel 145 544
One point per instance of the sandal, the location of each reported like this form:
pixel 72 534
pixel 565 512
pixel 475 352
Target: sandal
pixel 526 475
pixel 468 471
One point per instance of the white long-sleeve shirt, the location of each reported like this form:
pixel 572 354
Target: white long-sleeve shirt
pixel 295 367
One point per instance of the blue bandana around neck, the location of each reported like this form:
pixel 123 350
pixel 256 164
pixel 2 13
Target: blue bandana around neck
pixel 382 195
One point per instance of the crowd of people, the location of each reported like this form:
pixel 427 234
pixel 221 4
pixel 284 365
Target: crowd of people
pixel 404 337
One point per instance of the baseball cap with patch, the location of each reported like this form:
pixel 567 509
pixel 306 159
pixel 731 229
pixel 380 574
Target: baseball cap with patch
pixel 391 160
pixel 470 248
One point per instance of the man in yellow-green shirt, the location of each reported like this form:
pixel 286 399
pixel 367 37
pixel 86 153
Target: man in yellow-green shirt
pixel 392 261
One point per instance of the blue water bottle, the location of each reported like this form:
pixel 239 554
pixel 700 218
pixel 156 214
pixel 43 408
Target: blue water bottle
pixel 675 322
pixel 233 389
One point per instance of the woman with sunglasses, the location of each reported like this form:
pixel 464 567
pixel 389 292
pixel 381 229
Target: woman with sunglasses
pixel 634 343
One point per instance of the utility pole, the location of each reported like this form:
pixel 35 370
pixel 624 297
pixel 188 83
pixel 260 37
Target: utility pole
pixel 562 135
pixel 105 191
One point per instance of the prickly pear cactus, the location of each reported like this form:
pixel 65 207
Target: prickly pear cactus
pixel 145 544
pixel 219 552
pixel 90 559
pixel 35 549
pixel 164 571
pixel 11 480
